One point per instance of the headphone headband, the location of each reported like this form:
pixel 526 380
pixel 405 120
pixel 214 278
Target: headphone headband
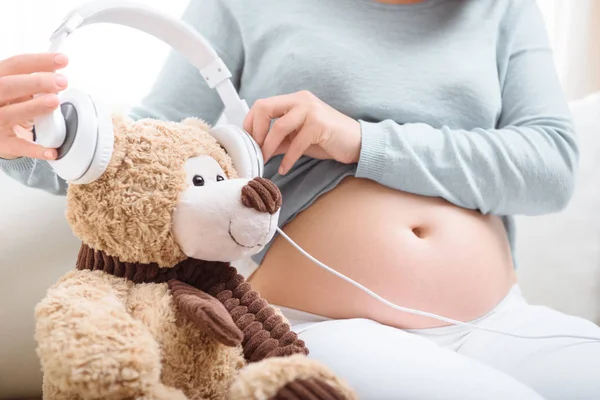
pixel 174 32
pixel 87 130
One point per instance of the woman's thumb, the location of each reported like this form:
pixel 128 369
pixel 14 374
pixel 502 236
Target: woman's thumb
pixel 19 147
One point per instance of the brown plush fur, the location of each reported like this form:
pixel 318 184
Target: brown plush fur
pixel 101 336
pixel 118 339
pixel 127 212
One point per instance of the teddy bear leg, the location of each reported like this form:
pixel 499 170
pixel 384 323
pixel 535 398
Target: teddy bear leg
pixel 293 377
pixel 51 392
pixel 162 392
pixel 90 346
pixel 159 392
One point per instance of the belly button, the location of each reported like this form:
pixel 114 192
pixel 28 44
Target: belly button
pixel 419 232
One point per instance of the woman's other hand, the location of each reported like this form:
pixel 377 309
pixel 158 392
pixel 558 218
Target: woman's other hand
pixel 305 126
pixel 22 77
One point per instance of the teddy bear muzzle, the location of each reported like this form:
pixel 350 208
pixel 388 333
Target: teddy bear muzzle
pixel 226 220
pixel 255 226
pixel 262 195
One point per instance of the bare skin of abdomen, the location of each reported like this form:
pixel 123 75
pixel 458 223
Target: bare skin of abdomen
pixel 418 252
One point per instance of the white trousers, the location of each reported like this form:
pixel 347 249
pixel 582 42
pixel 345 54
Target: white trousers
pixel 454 362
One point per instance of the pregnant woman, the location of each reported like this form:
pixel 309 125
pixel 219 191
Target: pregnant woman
pixel 404 136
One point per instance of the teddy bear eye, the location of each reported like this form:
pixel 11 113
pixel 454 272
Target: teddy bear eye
pixel 220 178
pixel 198 180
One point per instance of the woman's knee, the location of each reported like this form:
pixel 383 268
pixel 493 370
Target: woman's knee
pixel 381 362
pixel 558 368
pixel 568 371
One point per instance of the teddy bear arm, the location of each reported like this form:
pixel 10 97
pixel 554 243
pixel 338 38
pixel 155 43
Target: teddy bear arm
pixel 89 345
pixel 206 312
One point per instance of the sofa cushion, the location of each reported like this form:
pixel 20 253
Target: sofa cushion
pixel 559 254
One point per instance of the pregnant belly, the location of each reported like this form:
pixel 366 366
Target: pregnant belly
pixel 415 251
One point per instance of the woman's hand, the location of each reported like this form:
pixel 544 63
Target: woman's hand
pixel 305 126
pixel 22 77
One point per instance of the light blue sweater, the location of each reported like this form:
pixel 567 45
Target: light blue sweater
pixel 457 99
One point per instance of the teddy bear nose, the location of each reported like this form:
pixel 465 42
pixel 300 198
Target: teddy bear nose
pixel 262 195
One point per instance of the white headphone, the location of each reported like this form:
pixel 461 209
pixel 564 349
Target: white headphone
pixel 81 128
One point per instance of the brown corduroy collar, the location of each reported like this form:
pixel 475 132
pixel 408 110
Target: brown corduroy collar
pixel 215 297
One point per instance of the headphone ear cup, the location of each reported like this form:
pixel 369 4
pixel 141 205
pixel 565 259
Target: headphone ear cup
pixel 242 148
pixel 87 147
pixel 104 146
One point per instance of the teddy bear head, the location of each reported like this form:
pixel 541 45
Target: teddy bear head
pixel 171 192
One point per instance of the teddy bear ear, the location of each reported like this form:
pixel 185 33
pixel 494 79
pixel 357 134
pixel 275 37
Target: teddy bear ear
pixel 239 146
pixel 196 122
pixel 121 119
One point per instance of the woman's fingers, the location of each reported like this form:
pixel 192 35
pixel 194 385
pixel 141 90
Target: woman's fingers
pixel 281 129
pixel 21 77
pixel 261 121
pixel 15 147
pixel 15 87
pixel 289 134
pixel 296 149
pixel 24 130
pixel 15 114
pixel 259 117
pixel 31 63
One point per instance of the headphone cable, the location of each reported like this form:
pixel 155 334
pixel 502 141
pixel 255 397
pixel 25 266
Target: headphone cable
pixel 423 313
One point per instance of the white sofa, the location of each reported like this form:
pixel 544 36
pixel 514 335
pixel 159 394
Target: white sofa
pixel 559 256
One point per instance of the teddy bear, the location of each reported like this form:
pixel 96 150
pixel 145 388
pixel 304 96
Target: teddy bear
pixel 153 308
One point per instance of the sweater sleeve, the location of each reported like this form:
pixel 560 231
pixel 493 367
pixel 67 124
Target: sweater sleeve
pixel 178 92
pixel 35 174
pixel 526 165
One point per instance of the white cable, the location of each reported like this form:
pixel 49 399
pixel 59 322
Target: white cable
pixel 423 313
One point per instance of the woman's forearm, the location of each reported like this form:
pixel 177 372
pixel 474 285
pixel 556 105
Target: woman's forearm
pixel 514 170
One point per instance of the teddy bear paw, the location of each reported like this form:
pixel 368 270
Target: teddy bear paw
pixel 294 377
pixel 309 389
